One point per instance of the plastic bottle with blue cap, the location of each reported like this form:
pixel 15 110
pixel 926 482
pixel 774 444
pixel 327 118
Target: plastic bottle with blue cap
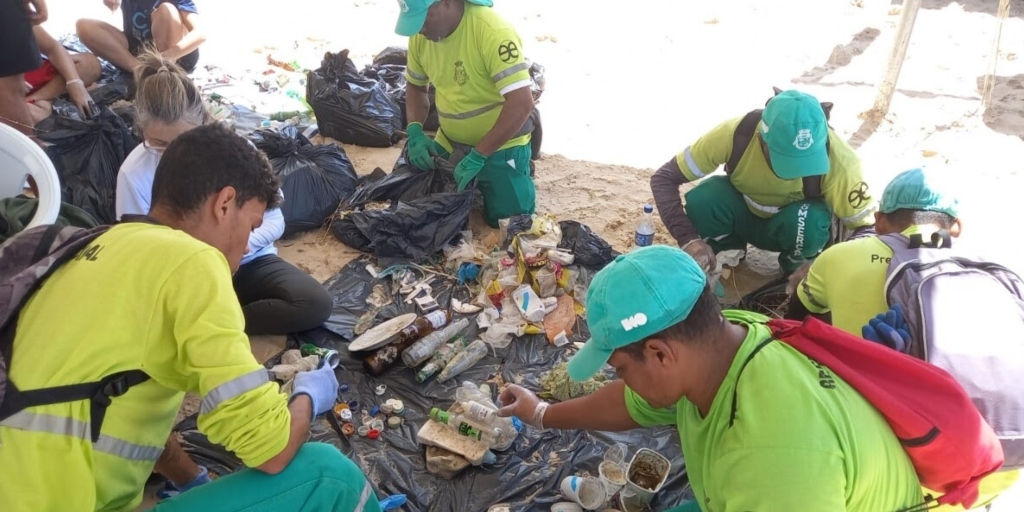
pixel 644 234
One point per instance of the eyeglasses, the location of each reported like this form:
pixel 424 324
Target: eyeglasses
pixel 159 150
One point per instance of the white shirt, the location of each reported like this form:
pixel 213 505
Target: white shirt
pixel 135 191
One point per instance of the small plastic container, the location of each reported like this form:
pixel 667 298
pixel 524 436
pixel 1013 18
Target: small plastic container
pixel 363 430
pixel 612 470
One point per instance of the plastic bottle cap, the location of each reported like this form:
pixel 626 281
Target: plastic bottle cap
pixel 394 421
pixel 379 390
pixel 346 415
pixel 354 404
pixel 343 388
pixel 363 430
pixel 398 407
pixel 377 425
pixel 348 429
pixel 373 433
pixel 387 409
pixel 341 407
pixel 374 410
pixel 648 208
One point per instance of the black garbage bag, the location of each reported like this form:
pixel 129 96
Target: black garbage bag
pixel 314 178
pixel 770 299
pixel 393 76
pixel 121 87
pixel 591 250
pixel 350 107
pixel 538 81
pixel 392 56
pixel 87 155
pixel 404 183
pixel 408 231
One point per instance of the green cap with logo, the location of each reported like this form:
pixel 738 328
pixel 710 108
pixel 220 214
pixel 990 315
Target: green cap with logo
pixel 414 14
pixel 917 189
pixel 794 128
pixel 636 296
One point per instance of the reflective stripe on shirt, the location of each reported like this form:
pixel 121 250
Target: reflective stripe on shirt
pixel 772 210
pixel 694 168
pixel 858 216
pixel 363 497
pixel 63 426
pixel 416 76
pixel 232 388
pixel 470 114
pixel 510 71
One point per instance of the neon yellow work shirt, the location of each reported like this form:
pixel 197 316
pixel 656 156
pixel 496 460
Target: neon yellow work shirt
pixel 471 71
pixel 843 188
pixel 144 297
pixel 802 438
pixel 848 280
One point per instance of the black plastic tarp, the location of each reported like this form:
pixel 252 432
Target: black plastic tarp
pixel 527 475
pixel 314 178
pixel 87 155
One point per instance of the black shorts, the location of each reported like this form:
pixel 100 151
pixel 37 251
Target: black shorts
pixel 19 52
pixel 136 47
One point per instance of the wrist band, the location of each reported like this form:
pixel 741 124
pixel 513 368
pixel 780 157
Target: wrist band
pixel 75 81
pixel 538 415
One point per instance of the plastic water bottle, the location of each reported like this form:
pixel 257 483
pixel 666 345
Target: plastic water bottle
pixel 645 228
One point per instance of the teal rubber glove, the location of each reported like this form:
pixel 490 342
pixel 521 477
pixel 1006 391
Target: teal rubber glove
pixel 320 385
pixel 422 149
pixel 468 168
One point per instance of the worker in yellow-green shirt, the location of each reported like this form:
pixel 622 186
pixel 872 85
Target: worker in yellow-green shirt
pixel 474 60
pixel 759 429
pixel 155 294
pixel 786 177
pixel 845 285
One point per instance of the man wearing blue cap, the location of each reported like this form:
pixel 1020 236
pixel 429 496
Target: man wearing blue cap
pixel 474 60
pixel 787 173
pixel 762 427
pixel 847 280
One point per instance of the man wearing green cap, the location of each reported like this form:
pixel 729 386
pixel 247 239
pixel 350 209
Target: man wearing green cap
pixel 761 426
pixel 474 60
pixel 787 173
pixel 847 280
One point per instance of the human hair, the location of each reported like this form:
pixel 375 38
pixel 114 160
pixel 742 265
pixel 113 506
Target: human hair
pixel 704 318
pixel 163 92
pixel 204 160
pixel 904 218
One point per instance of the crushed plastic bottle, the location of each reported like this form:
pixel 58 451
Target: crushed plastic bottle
pixel 478 408
pixel 441 359
pixel 464 360
pixel 429 344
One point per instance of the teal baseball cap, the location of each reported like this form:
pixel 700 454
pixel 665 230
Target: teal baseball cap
pixel 637 295
pixel 794 128
pixel 414 13
pixel 919 190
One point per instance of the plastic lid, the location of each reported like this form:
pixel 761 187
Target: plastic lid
pixel 616 453
pixel 648 208
pixel 373 433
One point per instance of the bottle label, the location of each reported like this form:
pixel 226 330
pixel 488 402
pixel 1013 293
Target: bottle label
pixel 641 240
pixel 467 430
pixel 437 319
pixel 479 412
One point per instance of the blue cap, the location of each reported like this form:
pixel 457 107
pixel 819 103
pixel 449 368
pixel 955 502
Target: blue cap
pixel 638 295
pixel 919 190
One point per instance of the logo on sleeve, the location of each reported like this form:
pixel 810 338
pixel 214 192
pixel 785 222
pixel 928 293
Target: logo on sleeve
pixel 637 320
pixel 508 51
pixel 803 139
pixel 859 195
pixel 461 76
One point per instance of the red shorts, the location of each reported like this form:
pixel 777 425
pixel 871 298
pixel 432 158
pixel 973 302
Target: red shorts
pixel 40 76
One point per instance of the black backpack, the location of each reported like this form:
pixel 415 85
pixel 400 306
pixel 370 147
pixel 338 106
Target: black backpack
pixel 26 260
pixel 745 133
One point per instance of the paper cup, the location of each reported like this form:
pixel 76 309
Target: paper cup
pixel 588 492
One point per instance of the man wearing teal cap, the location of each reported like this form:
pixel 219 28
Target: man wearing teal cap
pixel 847 280
pixel 761 426
pixel 474 60
pixel 786 174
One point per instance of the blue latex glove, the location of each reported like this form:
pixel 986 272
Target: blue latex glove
pixel 468 168
pixel 170 490
pixel 889 329
pixel 422 149
pixel 392 502
pixel 320 385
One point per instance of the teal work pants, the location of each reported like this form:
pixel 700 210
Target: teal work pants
pixel 506 185
pixel 319 478
pixel 798 232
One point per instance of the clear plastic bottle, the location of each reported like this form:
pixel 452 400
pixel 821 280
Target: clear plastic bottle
pixel 464 360
pixel 428 345
pixel 478 407
pixel 644 234
pixel 464 426
pixel 441 358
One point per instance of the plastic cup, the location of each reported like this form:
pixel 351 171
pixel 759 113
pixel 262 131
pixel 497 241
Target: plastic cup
pixel 588 492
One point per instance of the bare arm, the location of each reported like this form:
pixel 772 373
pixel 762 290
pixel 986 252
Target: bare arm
pixel 58 56
pixel 603 410
pixel 517 108
pixel 301 410
pixel 190 42
pixel 417 103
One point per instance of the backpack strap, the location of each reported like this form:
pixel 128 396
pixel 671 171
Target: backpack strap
pixel 46 241
pixel 742 137
pixel 735 388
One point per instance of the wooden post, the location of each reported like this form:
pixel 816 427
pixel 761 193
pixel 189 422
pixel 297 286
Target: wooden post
pixel 899 51
pixel 990 75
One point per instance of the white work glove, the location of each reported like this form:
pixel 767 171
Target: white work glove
pixel 524 404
